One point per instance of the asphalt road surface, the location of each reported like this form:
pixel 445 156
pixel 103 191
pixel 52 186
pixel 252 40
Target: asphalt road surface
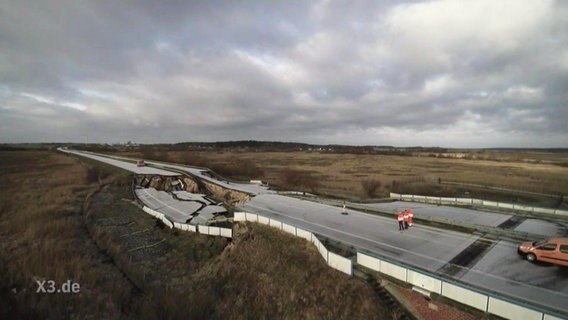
pixel 129 166
pixel 497 268
pixel 193 211
pixel 546 228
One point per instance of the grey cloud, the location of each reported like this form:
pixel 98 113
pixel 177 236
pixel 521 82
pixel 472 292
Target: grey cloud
pixel 327 72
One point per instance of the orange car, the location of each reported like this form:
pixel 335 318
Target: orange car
pixel 552 250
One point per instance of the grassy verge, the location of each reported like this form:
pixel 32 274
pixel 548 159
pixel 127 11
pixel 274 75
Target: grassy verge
pixel 43 238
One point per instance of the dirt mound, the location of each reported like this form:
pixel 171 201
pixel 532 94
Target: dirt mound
pixel 227 196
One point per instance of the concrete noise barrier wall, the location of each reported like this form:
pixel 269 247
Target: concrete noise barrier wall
pixel 453 290
pixel 321 248
pixel 340 263
pixel 167 222
pixel 509 310
pixel 465 296
pixel 214 231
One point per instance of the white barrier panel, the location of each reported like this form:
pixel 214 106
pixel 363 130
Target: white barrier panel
pixel 549 317
pixel 191 228
pixel 304 234
pixel 467 297
pixel 522 207
pixel 393 270
pixel 167 222
pixel 424 281
pixel 511 311
pixel 203 229
pixel 369 262
pixel 490 203
pixel 561 212
pixel 340 263
pixel 240 216
pixel 446 199
pixel 395 195
pixel 263 220
pixel 276 224
pixel 543 210
pixel 420 198
pixel 184 227
pixel 506 205
pixel 226 232
pixel 177 225
pixel 321 248
pixel 214 231
pixel 288 228
pixel 252 217
pixel 463 200
pixel 477 202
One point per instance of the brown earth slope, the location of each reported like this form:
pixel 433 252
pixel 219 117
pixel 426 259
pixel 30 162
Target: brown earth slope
pixel 129 266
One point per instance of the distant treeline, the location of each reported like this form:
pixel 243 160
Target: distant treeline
pixel 254 145
pixel 279 146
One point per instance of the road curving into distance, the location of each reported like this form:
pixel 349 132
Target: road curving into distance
pixel 494 266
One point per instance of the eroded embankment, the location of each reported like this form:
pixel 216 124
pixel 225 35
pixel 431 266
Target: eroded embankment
pixel 262 273
pixel 194 185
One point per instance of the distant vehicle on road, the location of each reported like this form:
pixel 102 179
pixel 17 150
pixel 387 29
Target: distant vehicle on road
pixel 552 250
pixel 140 163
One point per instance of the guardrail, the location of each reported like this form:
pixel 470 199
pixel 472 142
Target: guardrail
pixel 477 202
pixel 484 186
pixel 333 260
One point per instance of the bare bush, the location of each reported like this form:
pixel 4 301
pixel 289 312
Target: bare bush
pixel 244 170
pixel 148 153
pixel 193 159
pixel 371 186
pixel 93 174
pixel 300 179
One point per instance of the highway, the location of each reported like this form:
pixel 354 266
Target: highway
pixel 543 227
pixel 496 267
pixel 249 188
pixel 129 166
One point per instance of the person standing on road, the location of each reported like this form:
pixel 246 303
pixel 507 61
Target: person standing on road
pixel 410 216
pixel 400 218
pixel 344 211
pixel 405 218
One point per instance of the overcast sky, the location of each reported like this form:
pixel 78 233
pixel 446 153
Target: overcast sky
pixel 432 73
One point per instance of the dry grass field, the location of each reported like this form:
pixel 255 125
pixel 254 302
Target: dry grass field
pixel 49 232
pixel 43 238
pixel 349 175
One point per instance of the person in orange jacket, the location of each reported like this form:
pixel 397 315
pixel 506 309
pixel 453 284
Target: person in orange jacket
pixel 400 218
pixel 405 218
